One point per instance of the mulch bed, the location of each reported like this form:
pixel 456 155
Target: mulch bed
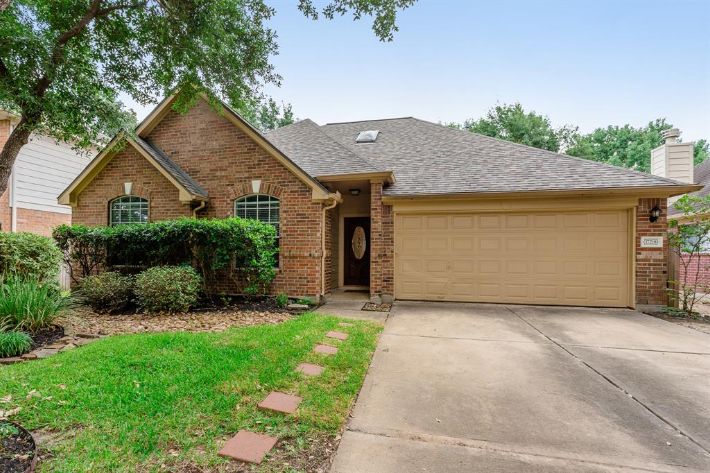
pixel 84 320
pixel 17 448
pixel 46 336
pixel 701 324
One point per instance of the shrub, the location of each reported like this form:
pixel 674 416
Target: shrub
pixel 14 344
pixel 107 292
pixel 243 248
pixel 29 255
pixel 27 304
pixel 168 288
pixel 282 300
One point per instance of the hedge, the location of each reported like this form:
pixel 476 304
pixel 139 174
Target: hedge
pixel 244 249
pixel 29 255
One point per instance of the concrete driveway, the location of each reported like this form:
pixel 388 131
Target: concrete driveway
pixel 474 387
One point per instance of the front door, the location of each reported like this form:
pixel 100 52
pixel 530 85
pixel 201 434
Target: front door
pixel 357 251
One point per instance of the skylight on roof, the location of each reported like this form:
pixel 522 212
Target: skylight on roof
pixel 368 136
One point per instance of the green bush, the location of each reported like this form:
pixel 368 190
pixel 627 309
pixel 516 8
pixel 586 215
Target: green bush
pixel 168 288
pixel 29 255
pixel 27 304
pixel 14 344
pixel 242 249
pixel 107 292
pixel 282 300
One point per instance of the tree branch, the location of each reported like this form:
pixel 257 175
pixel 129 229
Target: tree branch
pixel 120 6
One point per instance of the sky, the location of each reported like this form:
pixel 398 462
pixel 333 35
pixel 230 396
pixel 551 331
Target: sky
pixel 589 63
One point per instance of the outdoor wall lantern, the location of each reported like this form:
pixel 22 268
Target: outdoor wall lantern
pixel 653 214
pixel 354 191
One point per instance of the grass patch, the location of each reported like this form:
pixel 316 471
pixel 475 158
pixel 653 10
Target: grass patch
pixel 136 402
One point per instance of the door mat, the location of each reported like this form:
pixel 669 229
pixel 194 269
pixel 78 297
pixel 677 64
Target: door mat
pixel 372 307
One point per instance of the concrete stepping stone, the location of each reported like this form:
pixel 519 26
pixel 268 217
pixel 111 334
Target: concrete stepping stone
pixel 280 402
pixel 325 350
pixel 337 335
pixel 310 369
pixel 248 447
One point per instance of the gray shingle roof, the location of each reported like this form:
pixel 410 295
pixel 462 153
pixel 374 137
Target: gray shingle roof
pixel 171 167
pixel 312 150
pixel 429 159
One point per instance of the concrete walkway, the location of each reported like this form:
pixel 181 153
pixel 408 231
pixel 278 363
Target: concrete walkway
pixel 473 387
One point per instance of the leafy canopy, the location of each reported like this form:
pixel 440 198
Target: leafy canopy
pixel 511 122
pixel 63 63
pixel 627 146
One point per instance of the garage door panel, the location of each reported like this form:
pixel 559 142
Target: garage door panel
pixel 569 258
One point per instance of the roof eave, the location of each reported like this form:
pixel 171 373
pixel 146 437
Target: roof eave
pixel 378 176
pixel 649 191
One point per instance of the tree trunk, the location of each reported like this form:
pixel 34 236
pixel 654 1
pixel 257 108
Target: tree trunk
pixel 17 139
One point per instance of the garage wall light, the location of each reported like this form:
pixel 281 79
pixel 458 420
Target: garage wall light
pixel 654 214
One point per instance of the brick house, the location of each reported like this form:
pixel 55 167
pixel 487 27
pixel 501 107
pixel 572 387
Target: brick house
pixel 401 208
pixel 43 168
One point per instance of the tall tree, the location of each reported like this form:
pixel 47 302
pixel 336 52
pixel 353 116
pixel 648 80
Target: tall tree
pixel 63 63
pixel 512 123
pixel 627 146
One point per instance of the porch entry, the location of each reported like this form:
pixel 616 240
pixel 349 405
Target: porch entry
pixel 356 258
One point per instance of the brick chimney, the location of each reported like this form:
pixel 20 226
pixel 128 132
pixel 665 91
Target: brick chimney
pixel 673 159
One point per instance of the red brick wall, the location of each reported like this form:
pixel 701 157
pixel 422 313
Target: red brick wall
pixel 224 161
pixel 651 263
pixel 698 267
pixel 39 221
pixel 382 238
pixel 331 255
pixel 128 166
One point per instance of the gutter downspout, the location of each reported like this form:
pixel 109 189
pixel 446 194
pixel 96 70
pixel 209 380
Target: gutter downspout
pixel 13 202
pixel 336 200
pixel 202 205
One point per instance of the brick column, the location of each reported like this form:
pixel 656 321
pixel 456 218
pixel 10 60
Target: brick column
pixel 651 263
pixel 376 243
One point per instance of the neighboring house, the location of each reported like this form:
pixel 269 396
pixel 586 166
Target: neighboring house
pixel 675 160
pixel 42 169
pixel 401 207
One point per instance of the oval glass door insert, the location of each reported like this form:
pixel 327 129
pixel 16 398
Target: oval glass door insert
pixel 359 242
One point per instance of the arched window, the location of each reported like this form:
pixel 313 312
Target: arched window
pixel 128 209
pixel 264 208
pixel 259 206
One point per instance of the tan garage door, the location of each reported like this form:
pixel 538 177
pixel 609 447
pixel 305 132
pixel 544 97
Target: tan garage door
pixel 567 258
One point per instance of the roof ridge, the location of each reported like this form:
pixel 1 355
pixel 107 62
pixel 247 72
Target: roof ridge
pixel 556 154
pixel 373 120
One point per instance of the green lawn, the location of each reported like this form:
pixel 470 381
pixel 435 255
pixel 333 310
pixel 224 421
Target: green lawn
pixel 136 402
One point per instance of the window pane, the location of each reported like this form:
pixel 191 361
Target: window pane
pixel 128 209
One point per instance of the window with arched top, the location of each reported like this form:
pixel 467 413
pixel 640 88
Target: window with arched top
pixel 264 208
pixel 128 209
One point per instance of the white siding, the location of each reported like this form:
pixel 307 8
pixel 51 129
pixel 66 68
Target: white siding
pixel 44 168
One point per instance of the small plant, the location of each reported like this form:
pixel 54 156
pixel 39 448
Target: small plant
pixel 303 301
pixel 29 255
pixel 107 292
pixel 14 344
pixel 168 288
pixel 27 304
pixel 8 430
pixel 282 300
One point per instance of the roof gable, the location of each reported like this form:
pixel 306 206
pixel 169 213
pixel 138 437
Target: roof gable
pixel 188 188
pixel 154 118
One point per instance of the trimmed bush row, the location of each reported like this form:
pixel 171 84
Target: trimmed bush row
pixel 245 248
pixel 159 289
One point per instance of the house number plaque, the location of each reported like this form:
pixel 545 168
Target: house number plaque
pixel 359 242
pixel 651 242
